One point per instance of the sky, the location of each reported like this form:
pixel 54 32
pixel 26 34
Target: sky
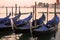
pixel 23 2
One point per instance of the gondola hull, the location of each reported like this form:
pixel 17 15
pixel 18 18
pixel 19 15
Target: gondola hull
pixel 39 21
pixel 23 29
pixel 5 31
pixel 50 31
pixel 23 26
pixel 23 21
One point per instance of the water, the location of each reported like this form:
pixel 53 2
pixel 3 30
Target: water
pixel 25 10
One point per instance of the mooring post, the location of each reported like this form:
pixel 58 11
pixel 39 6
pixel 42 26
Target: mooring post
pixel 6 11
pixel 55 20
pixel 47 11
pixel 35 13
pixel 15 9
pixel 12 11
pixel 19 9
pixel 55 9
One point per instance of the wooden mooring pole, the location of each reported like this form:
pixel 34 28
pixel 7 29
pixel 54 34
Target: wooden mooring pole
pixel 6 11
pixel 15 9
pixel 55 9
pixel 35 13
pixel 47 12
pixel 19 9
pixel 12 11
pixel 55 20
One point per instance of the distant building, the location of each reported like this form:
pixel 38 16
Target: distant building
pixel 57 2
pixel 40 4
pixel 51 5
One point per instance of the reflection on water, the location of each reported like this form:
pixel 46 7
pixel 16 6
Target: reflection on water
pixel 25 37
pixel 42 37
pixel 47 37
pixel 28 37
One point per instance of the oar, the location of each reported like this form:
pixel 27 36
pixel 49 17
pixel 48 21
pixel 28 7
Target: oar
pixel 31 30
pixel 13 24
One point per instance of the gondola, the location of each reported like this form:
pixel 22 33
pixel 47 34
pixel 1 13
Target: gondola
pixel 54 22
pixel 23 21
pixel 6 23
pixel 3 27
pixel 39 21
pixel 5 19
pixel 25 28
pixel 6 29
pixel 47 29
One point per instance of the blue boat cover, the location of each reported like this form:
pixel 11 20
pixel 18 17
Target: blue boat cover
pixel 17 16
pixel 2 19
pixel 23 21
pixel 54 21
pixel 5 20
pixel 39 21
pixel 42 28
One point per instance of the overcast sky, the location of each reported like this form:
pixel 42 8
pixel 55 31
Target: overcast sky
pixel 23 2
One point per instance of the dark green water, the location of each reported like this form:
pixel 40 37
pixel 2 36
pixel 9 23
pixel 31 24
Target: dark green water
pixel 28 37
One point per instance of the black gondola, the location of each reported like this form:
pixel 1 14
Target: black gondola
pixel 6 22
pixel 5 19
pixel 26 28
pixel 20 29
pixel 47 29
pixel 39 21
pixel 6 27
pixel 23 21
